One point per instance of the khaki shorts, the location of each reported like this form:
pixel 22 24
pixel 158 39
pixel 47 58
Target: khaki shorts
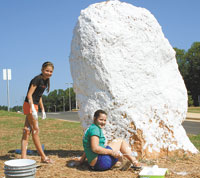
pixel 27 109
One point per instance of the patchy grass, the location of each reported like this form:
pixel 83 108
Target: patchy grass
pixel 194 109
pixel 54 134
pixel 13 114
pixel 63 140
pixel 195 139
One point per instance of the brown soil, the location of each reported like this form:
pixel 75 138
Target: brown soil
pixel 175 165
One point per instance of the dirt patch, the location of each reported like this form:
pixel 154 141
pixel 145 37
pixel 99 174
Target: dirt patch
pixel 186 166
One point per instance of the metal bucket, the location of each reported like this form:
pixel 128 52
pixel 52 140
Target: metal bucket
pixel 20 168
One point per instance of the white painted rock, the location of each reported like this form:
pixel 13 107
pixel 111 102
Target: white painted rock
pixel 122 63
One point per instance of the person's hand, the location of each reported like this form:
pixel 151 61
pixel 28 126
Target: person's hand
pixel 76 161
pixel 44 115
pixel 34 112
pixel 116 154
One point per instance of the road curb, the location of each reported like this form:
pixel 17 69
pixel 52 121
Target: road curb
pixel 192 118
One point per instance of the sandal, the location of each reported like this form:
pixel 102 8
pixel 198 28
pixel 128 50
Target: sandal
pixel 125 166
pixel 118 164
pixel 136 166
pixel 47 160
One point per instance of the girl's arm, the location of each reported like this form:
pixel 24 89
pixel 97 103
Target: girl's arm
pixel 82 159
pixel 100 150
pixel 30 93
pixel 30 101
pixel 42 109
pixel 41 105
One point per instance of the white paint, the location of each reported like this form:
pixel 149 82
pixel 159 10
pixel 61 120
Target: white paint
pixel 181 173
pixel 122 63
pixel 134 154
pixel 115 140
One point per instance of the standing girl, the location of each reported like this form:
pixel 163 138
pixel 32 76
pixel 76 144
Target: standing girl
pixel 34 98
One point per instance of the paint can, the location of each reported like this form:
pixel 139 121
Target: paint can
pixel 20 168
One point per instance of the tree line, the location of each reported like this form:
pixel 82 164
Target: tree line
pixel 55 101
pixel 189 67
pixel 60 100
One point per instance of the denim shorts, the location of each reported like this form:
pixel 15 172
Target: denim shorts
pixel 104 162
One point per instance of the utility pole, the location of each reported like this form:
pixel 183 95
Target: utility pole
pixel 7 76
pixel 76 102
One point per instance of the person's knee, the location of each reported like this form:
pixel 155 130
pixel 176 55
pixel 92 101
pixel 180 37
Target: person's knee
pixel 118 140
pixel 26 133
pixel 35 131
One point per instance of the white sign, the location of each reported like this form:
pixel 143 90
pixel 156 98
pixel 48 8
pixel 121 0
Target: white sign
pixel 6 74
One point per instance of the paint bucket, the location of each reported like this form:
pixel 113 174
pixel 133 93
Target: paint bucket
pixel 20 168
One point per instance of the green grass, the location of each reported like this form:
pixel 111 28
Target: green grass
pixel 13 114
pixel 54 134
pixel 194 109
pixel 195 139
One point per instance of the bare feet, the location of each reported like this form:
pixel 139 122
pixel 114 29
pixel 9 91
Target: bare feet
pixel 47 160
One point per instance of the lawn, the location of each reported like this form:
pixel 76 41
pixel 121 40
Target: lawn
pixel 62 141
pixel 194 109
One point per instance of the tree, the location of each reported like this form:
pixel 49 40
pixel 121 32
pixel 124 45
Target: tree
pixel 58 99
pixel 5 108
pixel 182 63
pixel 193 76
pixel 16 108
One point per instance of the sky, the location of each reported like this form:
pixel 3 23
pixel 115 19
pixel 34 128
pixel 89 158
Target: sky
pixel 35 31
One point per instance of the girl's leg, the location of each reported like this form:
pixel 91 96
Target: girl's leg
pixel 25 137
pixel 124 148
pixel 35 135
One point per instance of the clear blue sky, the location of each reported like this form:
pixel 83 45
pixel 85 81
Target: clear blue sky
pixel 35 31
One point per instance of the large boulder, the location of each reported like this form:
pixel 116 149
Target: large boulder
pixel 122 63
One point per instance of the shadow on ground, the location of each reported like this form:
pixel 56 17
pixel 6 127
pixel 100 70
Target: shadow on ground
pixel 59 153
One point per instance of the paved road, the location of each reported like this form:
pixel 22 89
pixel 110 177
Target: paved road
pixel 191 127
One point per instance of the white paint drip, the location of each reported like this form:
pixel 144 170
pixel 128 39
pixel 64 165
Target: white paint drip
pixel 134 154
pixel 181 173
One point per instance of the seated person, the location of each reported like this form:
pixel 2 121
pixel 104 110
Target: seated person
pixel 99 156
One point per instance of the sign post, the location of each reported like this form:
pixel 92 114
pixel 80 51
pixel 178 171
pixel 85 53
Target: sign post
pixel 7 76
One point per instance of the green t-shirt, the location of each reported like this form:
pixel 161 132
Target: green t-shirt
pixel 91 131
